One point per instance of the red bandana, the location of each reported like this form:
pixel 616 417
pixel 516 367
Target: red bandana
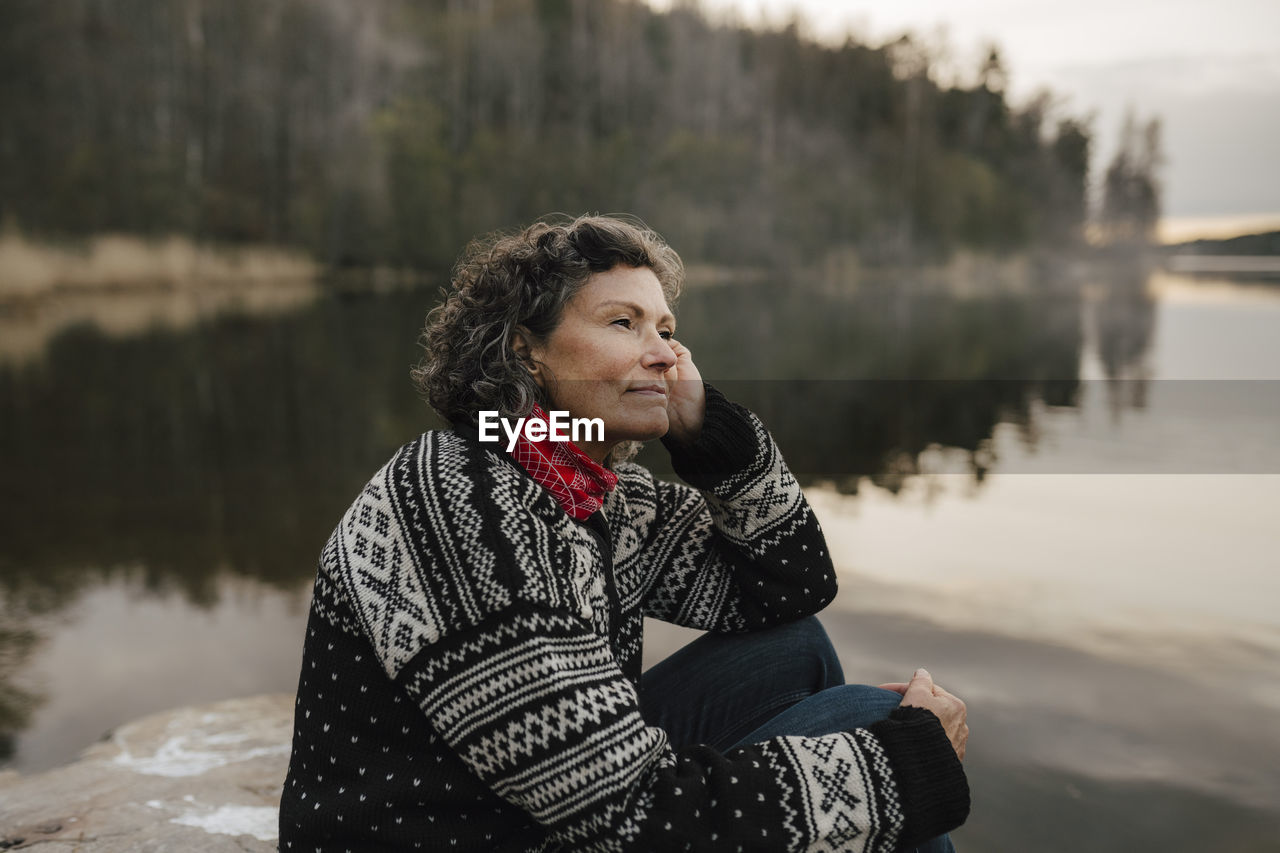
pixel 574 479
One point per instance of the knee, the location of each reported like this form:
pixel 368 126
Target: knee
pixel 809 641
pixel 866 704
pixel 836 709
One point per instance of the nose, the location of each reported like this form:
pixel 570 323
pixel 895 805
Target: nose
pixel 658 353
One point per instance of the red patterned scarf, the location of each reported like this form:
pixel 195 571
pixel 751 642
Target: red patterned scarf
pixel 573 478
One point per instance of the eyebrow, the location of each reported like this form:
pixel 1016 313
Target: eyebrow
pixel 635 309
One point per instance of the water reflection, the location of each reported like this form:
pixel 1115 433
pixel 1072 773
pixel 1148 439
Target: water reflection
pixel 17 641
pixel 28 327
pixel 1124 317
pixel 169 457
pixel 223 448
pixel 233 445
pixel 857 386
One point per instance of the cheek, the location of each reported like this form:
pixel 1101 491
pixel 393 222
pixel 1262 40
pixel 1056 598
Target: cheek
pixel 587 398
pixel 607 364
pixel 588 360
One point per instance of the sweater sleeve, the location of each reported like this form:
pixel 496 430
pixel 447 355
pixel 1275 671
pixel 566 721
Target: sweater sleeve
pixel 534 704
pixel 741 549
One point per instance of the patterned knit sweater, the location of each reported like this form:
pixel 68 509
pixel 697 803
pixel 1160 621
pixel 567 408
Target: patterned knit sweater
pixel 472 659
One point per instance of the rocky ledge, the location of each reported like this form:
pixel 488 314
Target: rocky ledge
pixel 206 778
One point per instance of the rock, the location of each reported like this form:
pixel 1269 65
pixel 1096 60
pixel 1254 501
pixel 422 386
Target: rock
pixel 206 778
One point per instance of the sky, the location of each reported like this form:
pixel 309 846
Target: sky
pixel 1209 71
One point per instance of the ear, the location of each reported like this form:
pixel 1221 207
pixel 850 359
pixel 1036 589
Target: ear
pixel 523 346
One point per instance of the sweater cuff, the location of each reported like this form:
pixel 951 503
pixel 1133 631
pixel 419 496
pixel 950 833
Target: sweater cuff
pixel 727 444
pixel 930 778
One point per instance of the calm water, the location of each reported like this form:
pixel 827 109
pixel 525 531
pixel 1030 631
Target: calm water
pixel 1071 479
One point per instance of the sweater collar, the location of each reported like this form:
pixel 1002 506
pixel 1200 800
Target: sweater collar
pixel 574 479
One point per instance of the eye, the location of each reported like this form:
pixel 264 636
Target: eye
pixel 625 322
pixel 666 336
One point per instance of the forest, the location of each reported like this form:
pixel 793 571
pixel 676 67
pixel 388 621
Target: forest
pixel 388 132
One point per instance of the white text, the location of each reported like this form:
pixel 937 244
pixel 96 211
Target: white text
pixel 536 429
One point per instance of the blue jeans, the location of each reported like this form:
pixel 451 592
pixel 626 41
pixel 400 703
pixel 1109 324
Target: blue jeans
pixel 725 690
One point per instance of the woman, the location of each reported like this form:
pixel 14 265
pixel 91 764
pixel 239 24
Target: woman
pixel 471 674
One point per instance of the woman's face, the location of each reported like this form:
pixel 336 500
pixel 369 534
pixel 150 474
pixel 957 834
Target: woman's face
pixel 608 356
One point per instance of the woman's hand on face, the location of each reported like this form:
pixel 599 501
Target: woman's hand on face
pixel 921 692
pixel 686 398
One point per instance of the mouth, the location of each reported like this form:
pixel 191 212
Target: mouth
pixel 649 391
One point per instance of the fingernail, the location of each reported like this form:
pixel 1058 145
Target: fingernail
pixel 921 671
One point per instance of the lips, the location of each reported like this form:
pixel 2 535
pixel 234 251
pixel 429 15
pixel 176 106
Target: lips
pixel 649 390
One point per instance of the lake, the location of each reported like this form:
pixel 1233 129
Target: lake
pixel 1058 493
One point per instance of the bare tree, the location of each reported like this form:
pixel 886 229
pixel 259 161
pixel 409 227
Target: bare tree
pixel 1131 188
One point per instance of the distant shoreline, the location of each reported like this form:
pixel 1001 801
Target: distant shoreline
pixel 31 269
pixel 1175 230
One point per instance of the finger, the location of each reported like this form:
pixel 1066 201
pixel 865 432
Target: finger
pixel 919 692
pixel 922 679
pixel 899 687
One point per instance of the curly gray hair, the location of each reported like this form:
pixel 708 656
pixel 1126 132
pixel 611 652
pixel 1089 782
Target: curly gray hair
pixel 525 279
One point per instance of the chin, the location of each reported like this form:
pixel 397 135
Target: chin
pixel 644 429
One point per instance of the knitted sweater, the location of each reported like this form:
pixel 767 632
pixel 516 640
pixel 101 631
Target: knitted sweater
pixel 472 660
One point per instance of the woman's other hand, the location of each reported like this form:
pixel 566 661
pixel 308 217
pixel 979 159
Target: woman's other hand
pixel 921 692
pixel 686 400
